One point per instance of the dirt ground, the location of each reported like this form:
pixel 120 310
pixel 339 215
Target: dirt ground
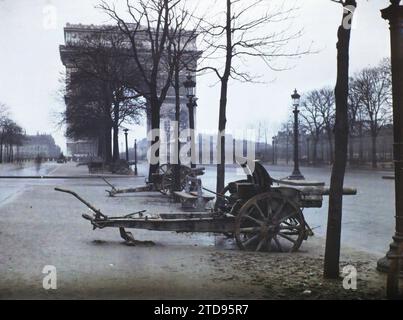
pixel 300 275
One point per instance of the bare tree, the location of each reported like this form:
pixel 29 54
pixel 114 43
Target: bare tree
pixel 318 113
pixel 148 34
pixel 355 119
pixel 3 110
pixel 4 117
pixel 325 102
pixel 261 139
pixel 312 121
pixel 264 135
pixel 286 128
pixel 230 39
pixel 372 88
pixel 332 253
pixel 11 135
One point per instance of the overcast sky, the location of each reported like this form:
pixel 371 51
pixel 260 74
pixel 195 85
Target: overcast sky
pixel 30 65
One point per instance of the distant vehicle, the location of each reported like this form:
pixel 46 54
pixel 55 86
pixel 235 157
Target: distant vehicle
pixel 61 159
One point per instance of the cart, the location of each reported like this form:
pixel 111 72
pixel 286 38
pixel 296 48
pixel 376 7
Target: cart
pixel 261 213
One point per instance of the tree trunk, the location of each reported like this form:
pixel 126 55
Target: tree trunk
pixel 322 150
pixel 221 129
pixel 351 151
pixel 315 152
pixel 155 125
pixel 176 167
pixel 331 152
pixel 116 155
pixel 108 145
pixel 361 145
pixel 108 121
pixel 374 151
pixel 1 151
pixel 101 146
pixel 222 121
pixel 332 253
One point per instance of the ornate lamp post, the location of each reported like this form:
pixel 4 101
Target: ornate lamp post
pixel 296 174
pixel 127 146
pixel 190 86
pixel 392 261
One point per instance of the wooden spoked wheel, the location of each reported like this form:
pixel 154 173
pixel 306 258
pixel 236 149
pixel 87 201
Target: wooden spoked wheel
pixel 167 181
pixel 270 222
pixel 165 171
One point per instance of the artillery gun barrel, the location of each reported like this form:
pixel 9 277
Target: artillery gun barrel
pixel 325 191
pixel 346 192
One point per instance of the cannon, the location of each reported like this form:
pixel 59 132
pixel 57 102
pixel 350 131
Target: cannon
pixel 261 213
pixel 162 181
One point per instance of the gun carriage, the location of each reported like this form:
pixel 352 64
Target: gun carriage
pixel 261 213
pixel 162 181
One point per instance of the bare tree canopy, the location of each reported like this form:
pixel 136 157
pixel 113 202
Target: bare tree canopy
pixel 323 101
pixel 230 37
pixel 11 134
pixel 152 29
pixel 312 120
pixel 258 29
pixel 371 90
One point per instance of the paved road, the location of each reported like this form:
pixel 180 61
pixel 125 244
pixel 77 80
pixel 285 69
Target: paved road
pixel 368 221
pixel 10 188
pixel 368 218
pixel 39 227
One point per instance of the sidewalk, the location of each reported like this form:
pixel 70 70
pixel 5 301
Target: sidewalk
pixel 9 167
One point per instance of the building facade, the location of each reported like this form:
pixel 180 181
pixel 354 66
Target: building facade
pixel 42 145
pixel 82 148
pixel 73 35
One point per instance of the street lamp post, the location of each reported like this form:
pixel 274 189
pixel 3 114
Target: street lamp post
pixel 392 261
pixel 296 174
pixel 135 157
pixel 127 146
pixel 274 149
pixel 190 86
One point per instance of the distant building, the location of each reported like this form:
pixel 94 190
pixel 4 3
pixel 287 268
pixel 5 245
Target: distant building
pixel 317 151
pixel 82 148
pixel 40 144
